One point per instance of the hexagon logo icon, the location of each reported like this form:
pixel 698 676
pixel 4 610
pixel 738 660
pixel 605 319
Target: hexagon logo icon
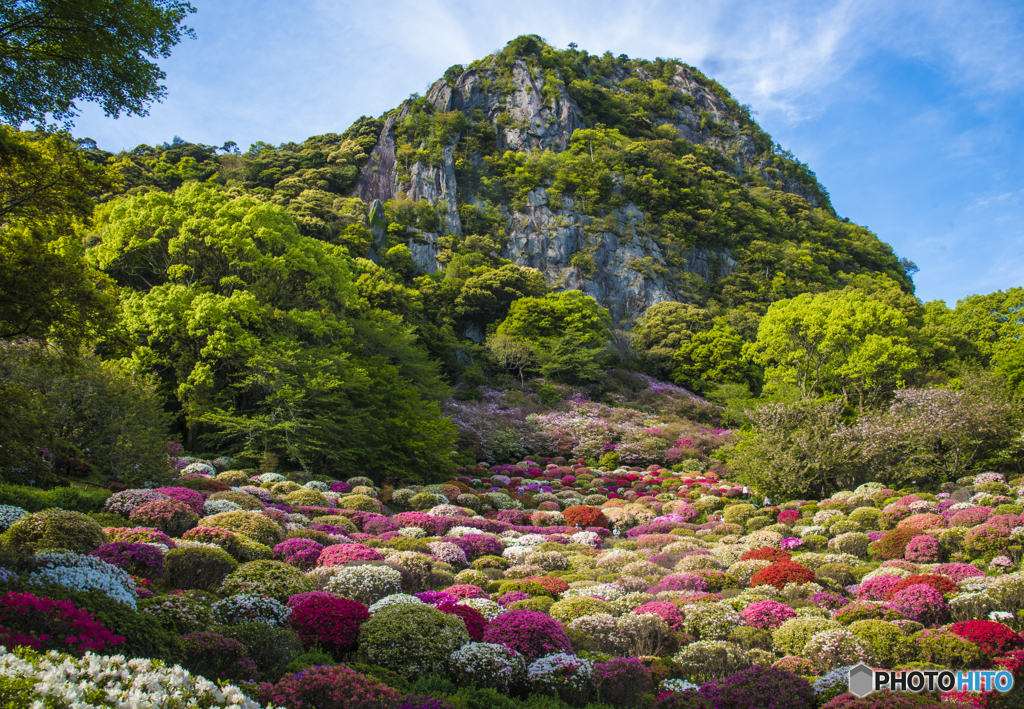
pixel 861 680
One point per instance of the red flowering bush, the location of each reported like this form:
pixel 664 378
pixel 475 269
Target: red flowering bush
pixel 338 554
pixel 781 573
pixel 46 624
pixel 332 623
pixel 531 634
pixel 464 591
pixel 324 687
pixel 299 552
pixel 172 517
pixel 789 517
pixel 766 554
pixel 553 585
pixel 584 516
pixel 476 622
pixel 991 637
pixel 216 657
pixel 143 560
pixel 668 612
pixel 621 681
pixel 939 583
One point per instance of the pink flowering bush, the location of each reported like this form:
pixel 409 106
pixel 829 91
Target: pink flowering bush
pixel 923 549
pixel 971 517
pixel 46 624
pixel 877 589
pixel 922 603
pixel 621 681
pixel 302 553
pixel 529 633
pixel 463 591
pixel 668 612
pixel 338 554
pixel 767 614
pixel 192 498
pixel 142 535
pixel 172 517
pixel 958 571
pixel 325 687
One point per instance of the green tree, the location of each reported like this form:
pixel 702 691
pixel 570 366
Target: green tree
pixel 714 356
pixel 487 297
pixel 664 328
pixel 47 290
pixel 567 330
pixel 56 52
pixel 841 342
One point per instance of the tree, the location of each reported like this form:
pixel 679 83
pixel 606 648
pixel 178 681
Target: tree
pixel 835 342
pixel 55 53
pixel 47 290
pixel 486 298
pixel 714 356
pixel 664 328
pixel 512 354
pixel 566 330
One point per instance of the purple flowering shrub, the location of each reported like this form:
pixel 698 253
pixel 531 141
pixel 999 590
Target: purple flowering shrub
pixel 137 559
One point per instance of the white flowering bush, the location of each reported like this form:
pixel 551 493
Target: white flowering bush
pixel 834 648
pixel 591 539
pixel 710 621
pixel 213 507
pixel 486 606
pixel 250 608
pixel 413 532
pixel 448 553
pixel 317 485
pixel 676 685
pixel 366 584
pixel 36 680
pixel 391 600
pixel 204 469
pixel 488 665
pixel 84 573
pixel 561 674
pixel 9 514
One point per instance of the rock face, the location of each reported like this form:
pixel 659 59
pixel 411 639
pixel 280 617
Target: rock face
pixel 613 259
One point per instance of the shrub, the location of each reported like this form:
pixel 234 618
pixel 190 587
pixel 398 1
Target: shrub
pixel 767 614
pixel 362 503
pixel 54 529
pixel 33 499
pixel 198 567
pixel 991 638
pixel 754 688
pixel 338 554
pixel 336 687
pixel 254 525
pixel 143 560
pixel 84 573
pixel 414 639
pixel 141 535
pixel 192 498
pixel 834 648
pixel 181 612
pixel 475 621
pixel 172 517
pixel 366 584
pixel 893 544
pixel 877 588
pixel 766 554
pixel 943 647
pixel 707 660
pixel 710 621
pixel 488 665
pixel 791 637
pixel 529 633
pixel 561 675
pixel 217 657
pixel 923 549
pixel 781 573
pixel 124 503
pixel 920 602
pixel 584 516
pixel 271 647
pixel 267 578
pixel 46 624
pixel 570 609
pixel 240 547
pixel 298 552
pixel 621 681
pixel 330 622
pixel 248 608
pixel 668 612
pixel 889 646
pixel 243 499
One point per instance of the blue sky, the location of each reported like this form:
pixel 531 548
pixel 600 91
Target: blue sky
pixel 911 114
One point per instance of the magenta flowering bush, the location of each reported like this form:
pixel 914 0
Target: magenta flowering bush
pixel 137 559
pixel 668 612
pixel 923 549
pixel 922 603
pixel 436 598
pixel 169 516
pixel 331 622
pixel 476 545
pixel 193 498
pixel 46 624
pixel 338 554
pixel 299 552
pixel 531 634
pixel 322 687
pixel 767 614
pixel 877 588
pixel 621 681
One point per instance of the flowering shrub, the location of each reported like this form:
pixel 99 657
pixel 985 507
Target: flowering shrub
pixel 781 573
pixel 830 649
pixel 754 688
pixel 84 573
pixel 172 517
pixel 562 675
pixel 707 660
pixel 886 644
pixel 10 514
pixel 584 516
pixel 943 647
pixel 923 549
pixel 338 554
pixel 254 525
pixel 572 608
pixel 139 535
pixel 267 578
pixel 123 503
pixel 143 560
pixel 791 637
pixel 488 665
pixel 366 584
pixel 330 622
pixel 324 687
pixel 941 584
pixel 990 637
pixel 766 554
pixel 920 602
pixel 217 657
pixel 56 679
pixel 414 639
pixel 298 552
pixel 476 622
pixel 621 681
pixel 54 529
pixel 182 612
pixel 767 614
pixel 198 567
pixel 529 633
pixel 247 608
pixel 46 624
pixel 878 588
pixel 192 498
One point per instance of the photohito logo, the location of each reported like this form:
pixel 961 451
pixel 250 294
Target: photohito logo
pixel 863 680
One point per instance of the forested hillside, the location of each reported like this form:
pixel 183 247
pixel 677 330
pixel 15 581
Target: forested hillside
pixel 546 224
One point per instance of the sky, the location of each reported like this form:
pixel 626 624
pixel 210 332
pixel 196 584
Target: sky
pixel 910 113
